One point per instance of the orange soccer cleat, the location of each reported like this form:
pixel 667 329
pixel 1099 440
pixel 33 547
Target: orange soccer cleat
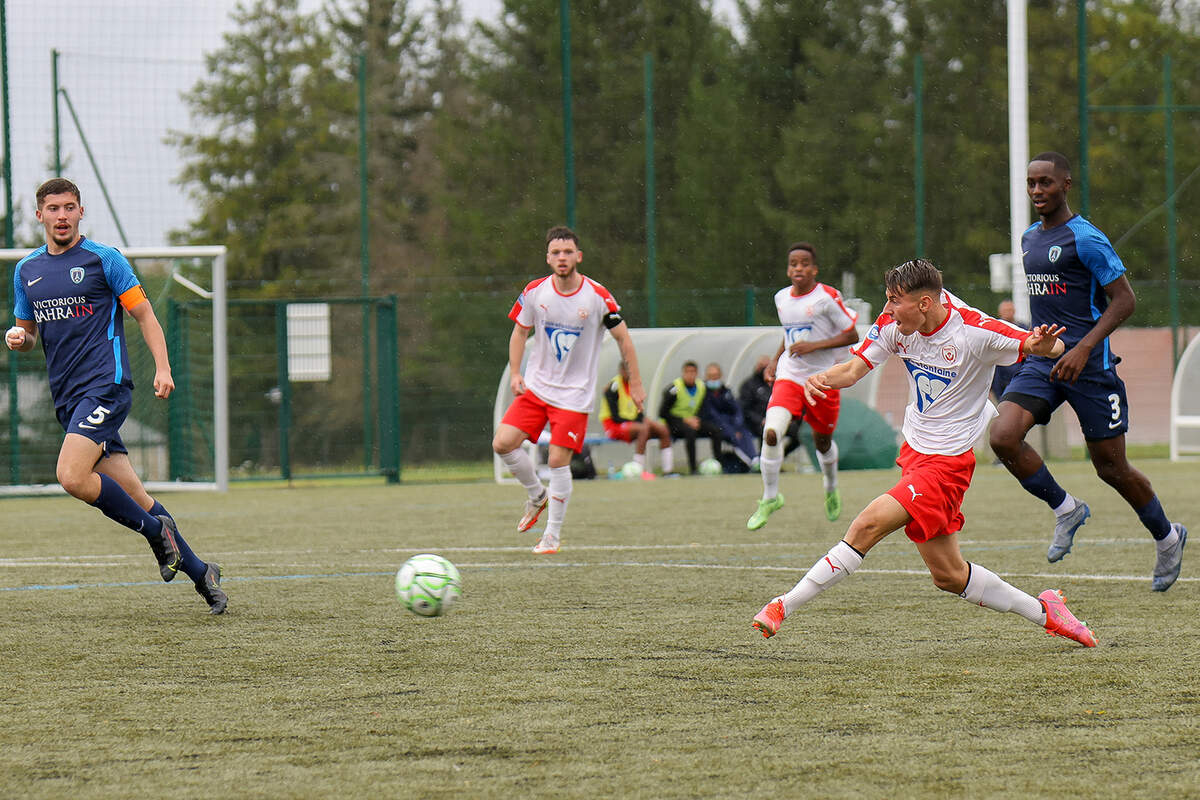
pixel 770 618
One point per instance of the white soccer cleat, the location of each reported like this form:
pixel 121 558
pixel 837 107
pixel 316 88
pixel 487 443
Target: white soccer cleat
pixel 547 545
pixel 533 510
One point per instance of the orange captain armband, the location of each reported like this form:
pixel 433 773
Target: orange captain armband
pixel 133 297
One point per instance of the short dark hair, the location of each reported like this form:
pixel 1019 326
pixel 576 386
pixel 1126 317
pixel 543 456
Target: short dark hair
pixel 911 276
pixel 1057 159
pixel 562 232
pixel 57 186
pixel 692 364
pixel 804 246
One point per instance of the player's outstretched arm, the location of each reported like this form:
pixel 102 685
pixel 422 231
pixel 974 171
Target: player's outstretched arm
pixel 1044 341
pixel 22 336
pixel 845 374
pixel 637 392
pixel 152 332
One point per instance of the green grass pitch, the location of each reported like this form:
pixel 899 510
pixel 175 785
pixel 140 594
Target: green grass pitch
pixel 625 666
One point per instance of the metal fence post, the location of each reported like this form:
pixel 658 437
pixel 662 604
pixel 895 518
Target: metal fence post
pixel 389 388
pixel 285 390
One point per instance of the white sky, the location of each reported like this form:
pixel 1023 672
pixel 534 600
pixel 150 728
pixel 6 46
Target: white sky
pixel 123 64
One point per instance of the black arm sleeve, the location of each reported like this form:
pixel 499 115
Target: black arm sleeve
pixel 612 319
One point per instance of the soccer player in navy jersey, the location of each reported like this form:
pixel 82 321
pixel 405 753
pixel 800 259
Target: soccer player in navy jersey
pixel 1075 278
pixel 71 294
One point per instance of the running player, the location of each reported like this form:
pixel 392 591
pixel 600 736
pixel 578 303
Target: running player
pixel 567 314
pixel 71 294
pixel 817 325
pixel 949 350
pixel 1076 278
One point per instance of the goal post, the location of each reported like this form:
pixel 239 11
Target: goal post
pixel 33 436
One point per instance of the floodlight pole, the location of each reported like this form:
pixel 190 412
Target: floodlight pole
pixel 1018 150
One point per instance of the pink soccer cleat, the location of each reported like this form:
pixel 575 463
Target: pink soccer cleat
pixel 1061 622
pixel 770 618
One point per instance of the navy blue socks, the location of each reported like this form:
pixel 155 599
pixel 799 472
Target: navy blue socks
pixel 116 504
pixel 1154 519
pixel 1042 485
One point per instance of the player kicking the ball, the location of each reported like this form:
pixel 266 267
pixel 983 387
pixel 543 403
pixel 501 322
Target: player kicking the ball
pixel 817 327
pixel 567 314
pixel 950 351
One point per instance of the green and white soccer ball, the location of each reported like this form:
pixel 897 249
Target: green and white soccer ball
pixel 428 585
pixel 710 466
pixel 632 470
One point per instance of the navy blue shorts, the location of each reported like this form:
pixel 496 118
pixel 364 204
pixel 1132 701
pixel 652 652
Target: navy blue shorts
pixel 1098 398
pixel 99 417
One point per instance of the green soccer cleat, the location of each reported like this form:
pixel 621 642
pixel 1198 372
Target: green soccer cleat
pixel 765 509
pixel 833 504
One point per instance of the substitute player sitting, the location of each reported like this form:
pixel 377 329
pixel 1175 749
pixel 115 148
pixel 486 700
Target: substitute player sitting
pixel 817 326
pixel 949 351
pixel 625 422
pixel 71 294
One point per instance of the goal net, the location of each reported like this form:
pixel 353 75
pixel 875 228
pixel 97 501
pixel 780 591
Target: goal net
pixel 180 443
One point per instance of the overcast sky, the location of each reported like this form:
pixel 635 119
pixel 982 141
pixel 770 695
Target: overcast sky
pixel 123 65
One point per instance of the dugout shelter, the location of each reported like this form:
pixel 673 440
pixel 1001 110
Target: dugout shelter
pixel 661 354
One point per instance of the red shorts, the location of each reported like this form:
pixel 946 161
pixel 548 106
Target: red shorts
pixel 621 431
pixel 931 489
pixel 530 413
pixel 821 416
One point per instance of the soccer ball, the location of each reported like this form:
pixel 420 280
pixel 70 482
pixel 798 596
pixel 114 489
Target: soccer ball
pixel 632 470
pixel 710 466
pixel 428 585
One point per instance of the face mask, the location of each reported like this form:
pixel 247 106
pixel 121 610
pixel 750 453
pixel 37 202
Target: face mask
pixel 713 384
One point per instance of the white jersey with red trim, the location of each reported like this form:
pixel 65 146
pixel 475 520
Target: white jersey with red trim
pixel 819 314
pixel 950 373
pixel 567 332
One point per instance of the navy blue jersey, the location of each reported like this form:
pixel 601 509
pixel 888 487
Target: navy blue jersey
pixel 1066 269
pixel 76 298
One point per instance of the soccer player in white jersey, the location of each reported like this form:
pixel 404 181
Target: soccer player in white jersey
pixel 566 314
pixel 817 327
pixel 950 351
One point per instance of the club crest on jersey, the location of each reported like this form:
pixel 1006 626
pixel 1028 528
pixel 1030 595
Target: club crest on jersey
pixel 949 352
pixel 1054 253
pixel 77 274
pixel 873 334
pixel 561 340
pixel 930 385
pixel 796 333
pixel 583 313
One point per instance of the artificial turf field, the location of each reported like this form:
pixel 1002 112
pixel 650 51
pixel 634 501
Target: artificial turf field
pixel 624 666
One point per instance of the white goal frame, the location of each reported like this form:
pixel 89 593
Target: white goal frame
pixel 220 353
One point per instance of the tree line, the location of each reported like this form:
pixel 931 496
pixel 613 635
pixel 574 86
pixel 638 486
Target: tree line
pixel 795 123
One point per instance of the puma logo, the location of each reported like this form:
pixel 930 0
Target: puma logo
pixel 832 566
pixel 915 493
pixel 574 436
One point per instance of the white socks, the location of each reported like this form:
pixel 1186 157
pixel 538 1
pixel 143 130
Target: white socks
pixel 560 495
pixel 640 460
pixel 986 588
pixel 834 566
pixel 1066 506
pixel 829 465
pixel 668 460
pixel 521 466
pixel 771 460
